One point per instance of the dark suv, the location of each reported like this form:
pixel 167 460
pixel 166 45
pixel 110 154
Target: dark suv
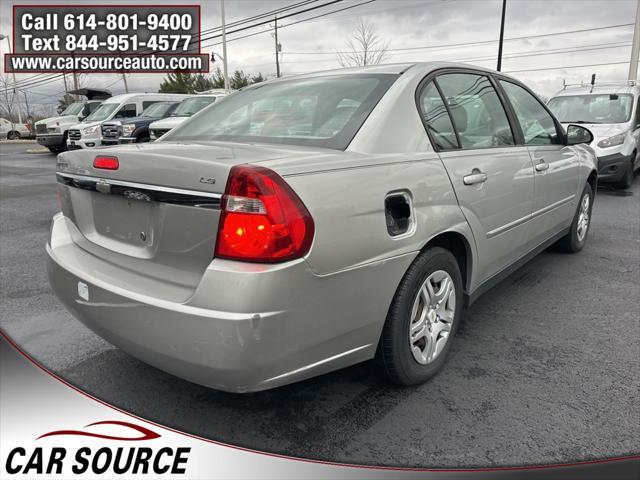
pixel 136 129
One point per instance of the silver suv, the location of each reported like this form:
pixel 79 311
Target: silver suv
pixel 610 111
pixel 309 223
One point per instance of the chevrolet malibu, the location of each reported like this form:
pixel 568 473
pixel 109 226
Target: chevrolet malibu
pixel 310 223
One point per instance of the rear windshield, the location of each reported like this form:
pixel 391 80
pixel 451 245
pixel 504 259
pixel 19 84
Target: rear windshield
pixel 322 111
pixel 595 108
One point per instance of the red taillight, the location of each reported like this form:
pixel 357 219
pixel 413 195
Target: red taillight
pixel 106 163
pixel 262 219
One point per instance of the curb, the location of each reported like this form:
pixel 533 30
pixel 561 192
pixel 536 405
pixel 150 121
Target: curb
pixel 17 142
pixel 37 150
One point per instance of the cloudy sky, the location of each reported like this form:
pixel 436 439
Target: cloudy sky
pixel 415 30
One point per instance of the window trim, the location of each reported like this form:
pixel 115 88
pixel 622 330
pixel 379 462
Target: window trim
pixel 511 119
pixel 559 130
pixel 430 134
pixel 443 99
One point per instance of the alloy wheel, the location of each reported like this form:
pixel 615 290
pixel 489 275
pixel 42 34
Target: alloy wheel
pixel 432 317
pixel 583 217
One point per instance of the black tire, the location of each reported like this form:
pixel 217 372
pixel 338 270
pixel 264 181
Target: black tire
pixel 571 242
pixel 394 357
pixel 54 149
pixel 627 179
pixel 13 135
pixel 142 140
pixel 63 147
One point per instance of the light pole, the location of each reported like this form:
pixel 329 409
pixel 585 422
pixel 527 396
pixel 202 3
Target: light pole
pixel 213 60
pixel 504 9
pixel 2 37
pixel 635 48
pixel 224 48
pixel 278 48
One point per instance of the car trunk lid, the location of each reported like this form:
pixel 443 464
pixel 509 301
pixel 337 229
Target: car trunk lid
pixel 157 213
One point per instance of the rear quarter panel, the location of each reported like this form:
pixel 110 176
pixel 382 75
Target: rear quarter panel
pixel 348 208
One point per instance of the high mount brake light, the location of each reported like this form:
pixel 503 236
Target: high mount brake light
pixel 262 220
pixel 106 163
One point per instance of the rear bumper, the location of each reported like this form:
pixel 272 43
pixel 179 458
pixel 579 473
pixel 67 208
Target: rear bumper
pixel 611 168
pixel 55 140
pixel 245 327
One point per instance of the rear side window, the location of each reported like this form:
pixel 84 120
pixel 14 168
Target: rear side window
pixel 148 103
pixel 537 124
pixel 478 115
pixel 129 110
pixel 436 118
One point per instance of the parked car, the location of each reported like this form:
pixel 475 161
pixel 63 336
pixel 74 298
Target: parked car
pixel 187 107
pixel 88 134
pixel 135 129
pixel 13 131
pixel 610 111
pixel 53 132
pixel 309 223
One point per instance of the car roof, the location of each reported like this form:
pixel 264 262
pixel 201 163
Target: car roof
pixel 421 68
pixel 128 96
pixel 598 90
pixel 206 95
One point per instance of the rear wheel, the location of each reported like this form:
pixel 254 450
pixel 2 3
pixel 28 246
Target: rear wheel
pixel 13 135
pixel 422 319
pixel 576 238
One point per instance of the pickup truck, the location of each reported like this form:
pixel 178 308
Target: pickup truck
pixel 187 108
pixel 53 132
pixel 136 129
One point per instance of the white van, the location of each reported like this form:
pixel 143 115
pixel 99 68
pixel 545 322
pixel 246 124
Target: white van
pixel 87 133
pixel 611 111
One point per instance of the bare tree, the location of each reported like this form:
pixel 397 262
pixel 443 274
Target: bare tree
pixel 363 48
pixel 8 98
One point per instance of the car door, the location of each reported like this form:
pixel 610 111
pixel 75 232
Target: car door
pixel 556 165
pixel 491 175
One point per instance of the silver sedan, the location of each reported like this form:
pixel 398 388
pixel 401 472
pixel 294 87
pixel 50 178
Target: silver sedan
pixel 310 223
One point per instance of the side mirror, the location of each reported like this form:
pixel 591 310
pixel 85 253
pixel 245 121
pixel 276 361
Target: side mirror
pixel 577 134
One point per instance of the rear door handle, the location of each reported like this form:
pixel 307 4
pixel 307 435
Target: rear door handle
pixel 475 177
pixel 541 166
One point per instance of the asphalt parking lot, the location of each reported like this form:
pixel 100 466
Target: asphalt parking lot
pixel 545 367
